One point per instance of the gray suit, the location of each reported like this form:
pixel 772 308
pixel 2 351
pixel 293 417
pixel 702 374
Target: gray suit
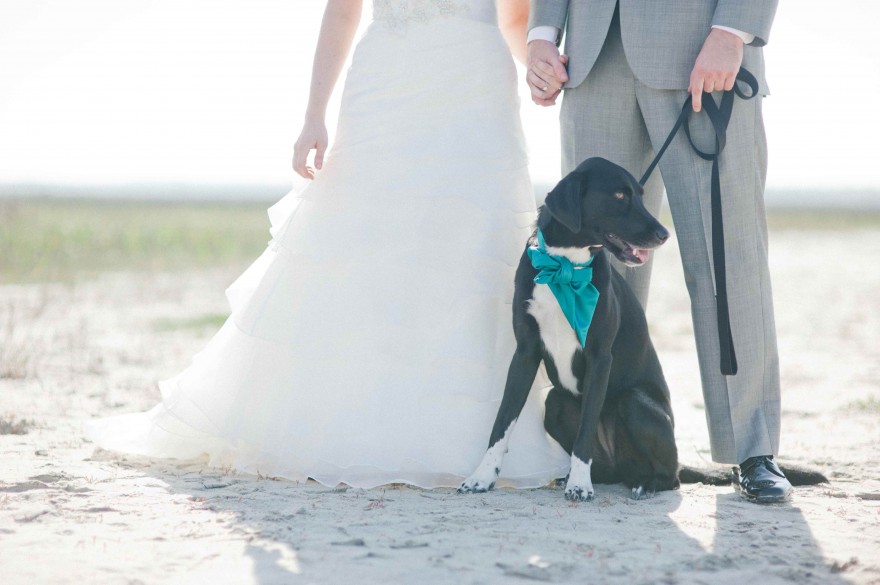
pixel 629 68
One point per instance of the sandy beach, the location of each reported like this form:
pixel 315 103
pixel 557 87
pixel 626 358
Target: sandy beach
pixel 70 513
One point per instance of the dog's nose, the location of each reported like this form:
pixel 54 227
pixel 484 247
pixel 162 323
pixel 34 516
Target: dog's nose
pixel 662 234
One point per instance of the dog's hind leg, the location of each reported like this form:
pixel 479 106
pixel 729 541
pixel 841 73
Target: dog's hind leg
pixel 653 466
pixel 520 376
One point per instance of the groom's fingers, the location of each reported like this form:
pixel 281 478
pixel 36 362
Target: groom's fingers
pixel 729 82
pixel 559 68
pixel 696 90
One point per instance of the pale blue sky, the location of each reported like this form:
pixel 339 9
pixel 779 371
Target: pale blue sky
pixel 213 91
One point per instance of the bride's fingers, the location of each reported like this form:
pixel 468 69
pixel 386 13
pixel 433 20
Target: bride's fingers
pixel 539 87
pixel 320 149
pixel 538 83
pixel 544 97
pixel 300 155
pixel 546 72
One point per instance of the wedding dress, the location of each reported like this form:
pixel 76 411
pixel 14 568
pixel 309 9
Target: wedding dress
pixel 369 343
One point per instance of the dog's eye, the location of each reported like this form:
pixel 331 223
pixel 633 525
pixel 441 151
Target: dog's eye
pixel 620 195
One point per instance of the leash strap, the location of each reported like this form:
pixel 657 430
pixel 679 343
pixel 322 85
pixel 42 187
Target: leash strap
pixel 719 116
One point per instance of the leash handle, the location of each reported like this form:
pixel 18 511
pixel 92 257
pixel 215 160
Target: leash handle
pixel 719 116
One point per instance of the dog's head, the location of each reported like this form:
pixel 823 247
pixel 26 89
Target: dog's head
pixel 600 204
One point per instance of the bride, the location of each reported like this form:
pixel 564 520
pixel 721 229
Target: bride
pixel 369 343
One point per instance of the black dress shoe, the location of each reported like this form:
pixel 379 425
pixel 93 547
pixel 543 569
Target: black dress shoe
pixel 760 480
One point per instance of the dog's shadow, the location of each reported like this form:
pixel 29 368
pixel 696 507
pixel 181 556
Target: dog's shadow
pixel 289 531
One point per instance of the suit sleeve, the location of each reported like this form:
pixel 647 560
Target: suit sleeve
pixel 548 13
pixel 751 16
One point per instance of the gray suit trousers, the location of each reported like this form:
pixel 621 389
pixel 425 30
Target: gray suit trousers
pixel 613 115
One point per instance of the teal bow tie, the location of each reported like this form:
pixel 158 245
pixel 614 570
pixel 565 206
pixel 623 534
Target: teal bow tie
pixel 570 283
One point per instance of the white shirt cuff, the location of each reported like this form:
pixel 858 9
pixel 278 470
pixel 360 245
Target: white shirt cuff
pixel 746 37
pixel 543 33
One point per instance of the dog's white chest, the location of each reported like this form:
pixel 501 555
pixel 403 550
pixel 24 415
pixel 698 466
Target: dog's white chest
pixel 556 333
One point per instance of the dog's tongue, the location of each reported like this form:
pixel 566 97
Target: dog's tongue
pixel 641 254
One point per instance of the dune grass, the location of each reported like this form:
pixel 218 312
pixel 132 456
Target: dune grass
pixel 46 240
pixel 206 322
pixel 61 240
pixel 869 405
pixel 781 219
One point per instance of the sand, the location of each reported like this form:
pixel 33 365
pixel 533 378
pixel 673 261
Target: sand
pixel 72 514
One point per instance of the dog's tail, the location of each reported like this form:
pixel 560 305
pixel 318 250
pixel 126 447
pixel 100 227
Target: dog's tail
pixel 796 474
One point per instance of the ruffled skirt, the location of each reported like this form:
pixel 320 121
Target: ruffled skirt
pixel 370 342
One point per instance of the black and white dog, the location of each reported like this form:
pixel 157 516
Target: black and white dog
pixel 609 406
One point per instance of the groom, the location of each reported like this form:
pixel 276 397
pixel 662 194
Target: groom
pixel 628 67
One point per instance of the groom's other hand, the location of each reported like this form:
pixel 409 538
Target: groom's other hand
pixel 546 72
pixel 716 66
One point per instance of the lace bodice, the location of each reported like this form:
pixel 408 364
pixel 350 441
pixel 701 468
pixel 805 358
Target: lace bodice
pixel 399 12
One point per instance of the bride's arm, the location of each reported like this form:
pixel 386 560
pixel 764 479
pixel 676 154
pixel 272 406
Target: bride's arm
pixel 513 18
pixel 341 19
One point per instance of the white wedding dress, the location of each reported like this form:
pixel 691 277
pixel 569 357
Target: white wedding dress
pixel 369 344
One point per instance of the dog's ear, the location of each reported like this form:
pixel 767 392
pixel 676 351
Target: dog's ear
pixel 564 202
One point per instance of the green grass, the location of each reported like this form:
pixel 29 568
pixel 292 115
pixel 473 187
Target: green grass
pixel 868 405
pixel 45 240
pixel 61 240
pixel 211 321
pixel 817 219
pixel 780 219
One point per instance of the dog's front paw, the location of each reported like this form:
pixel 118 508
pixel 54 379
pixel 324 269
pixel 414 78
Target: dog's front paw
pixel 477 485
pixel 576 493
pixel 579 487
pixel 483 479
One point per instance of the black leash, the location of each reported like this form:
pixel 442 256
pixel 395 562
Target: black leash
pixel 719 116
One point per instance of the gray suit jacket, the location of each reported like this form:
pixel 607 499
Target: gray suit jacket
pixel 661 39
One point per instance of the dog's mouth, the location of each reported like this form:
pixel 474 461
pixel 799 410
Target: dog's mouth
pixel 624 251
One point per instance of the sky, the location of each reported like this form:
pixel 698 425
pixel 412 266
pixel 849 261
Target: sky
pixel 196 91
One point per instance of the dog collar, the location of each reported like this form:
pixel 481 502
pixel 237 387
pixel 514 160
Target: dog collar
pixel 571 284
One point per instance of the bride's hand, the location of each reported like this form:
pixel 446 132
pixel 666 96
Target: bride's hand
pixel 312 137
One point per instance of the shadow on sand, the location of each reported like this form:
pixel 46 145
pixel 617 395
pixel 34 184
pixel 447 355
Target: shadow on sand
pixel 286 532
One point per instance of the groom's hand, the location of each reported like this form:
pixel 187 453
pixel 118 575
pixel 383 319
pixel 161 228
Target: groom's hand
pixel 716 66
pixel 546 72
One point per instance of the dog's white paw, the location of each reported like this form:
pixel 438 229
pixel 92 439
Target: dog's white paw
pixel 577 493
pixel 478 485
pixel 579 487
pixel 484 478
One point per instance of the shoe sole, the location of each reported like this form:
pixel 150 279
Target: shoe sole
pixel 759 499
pixel 766 499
